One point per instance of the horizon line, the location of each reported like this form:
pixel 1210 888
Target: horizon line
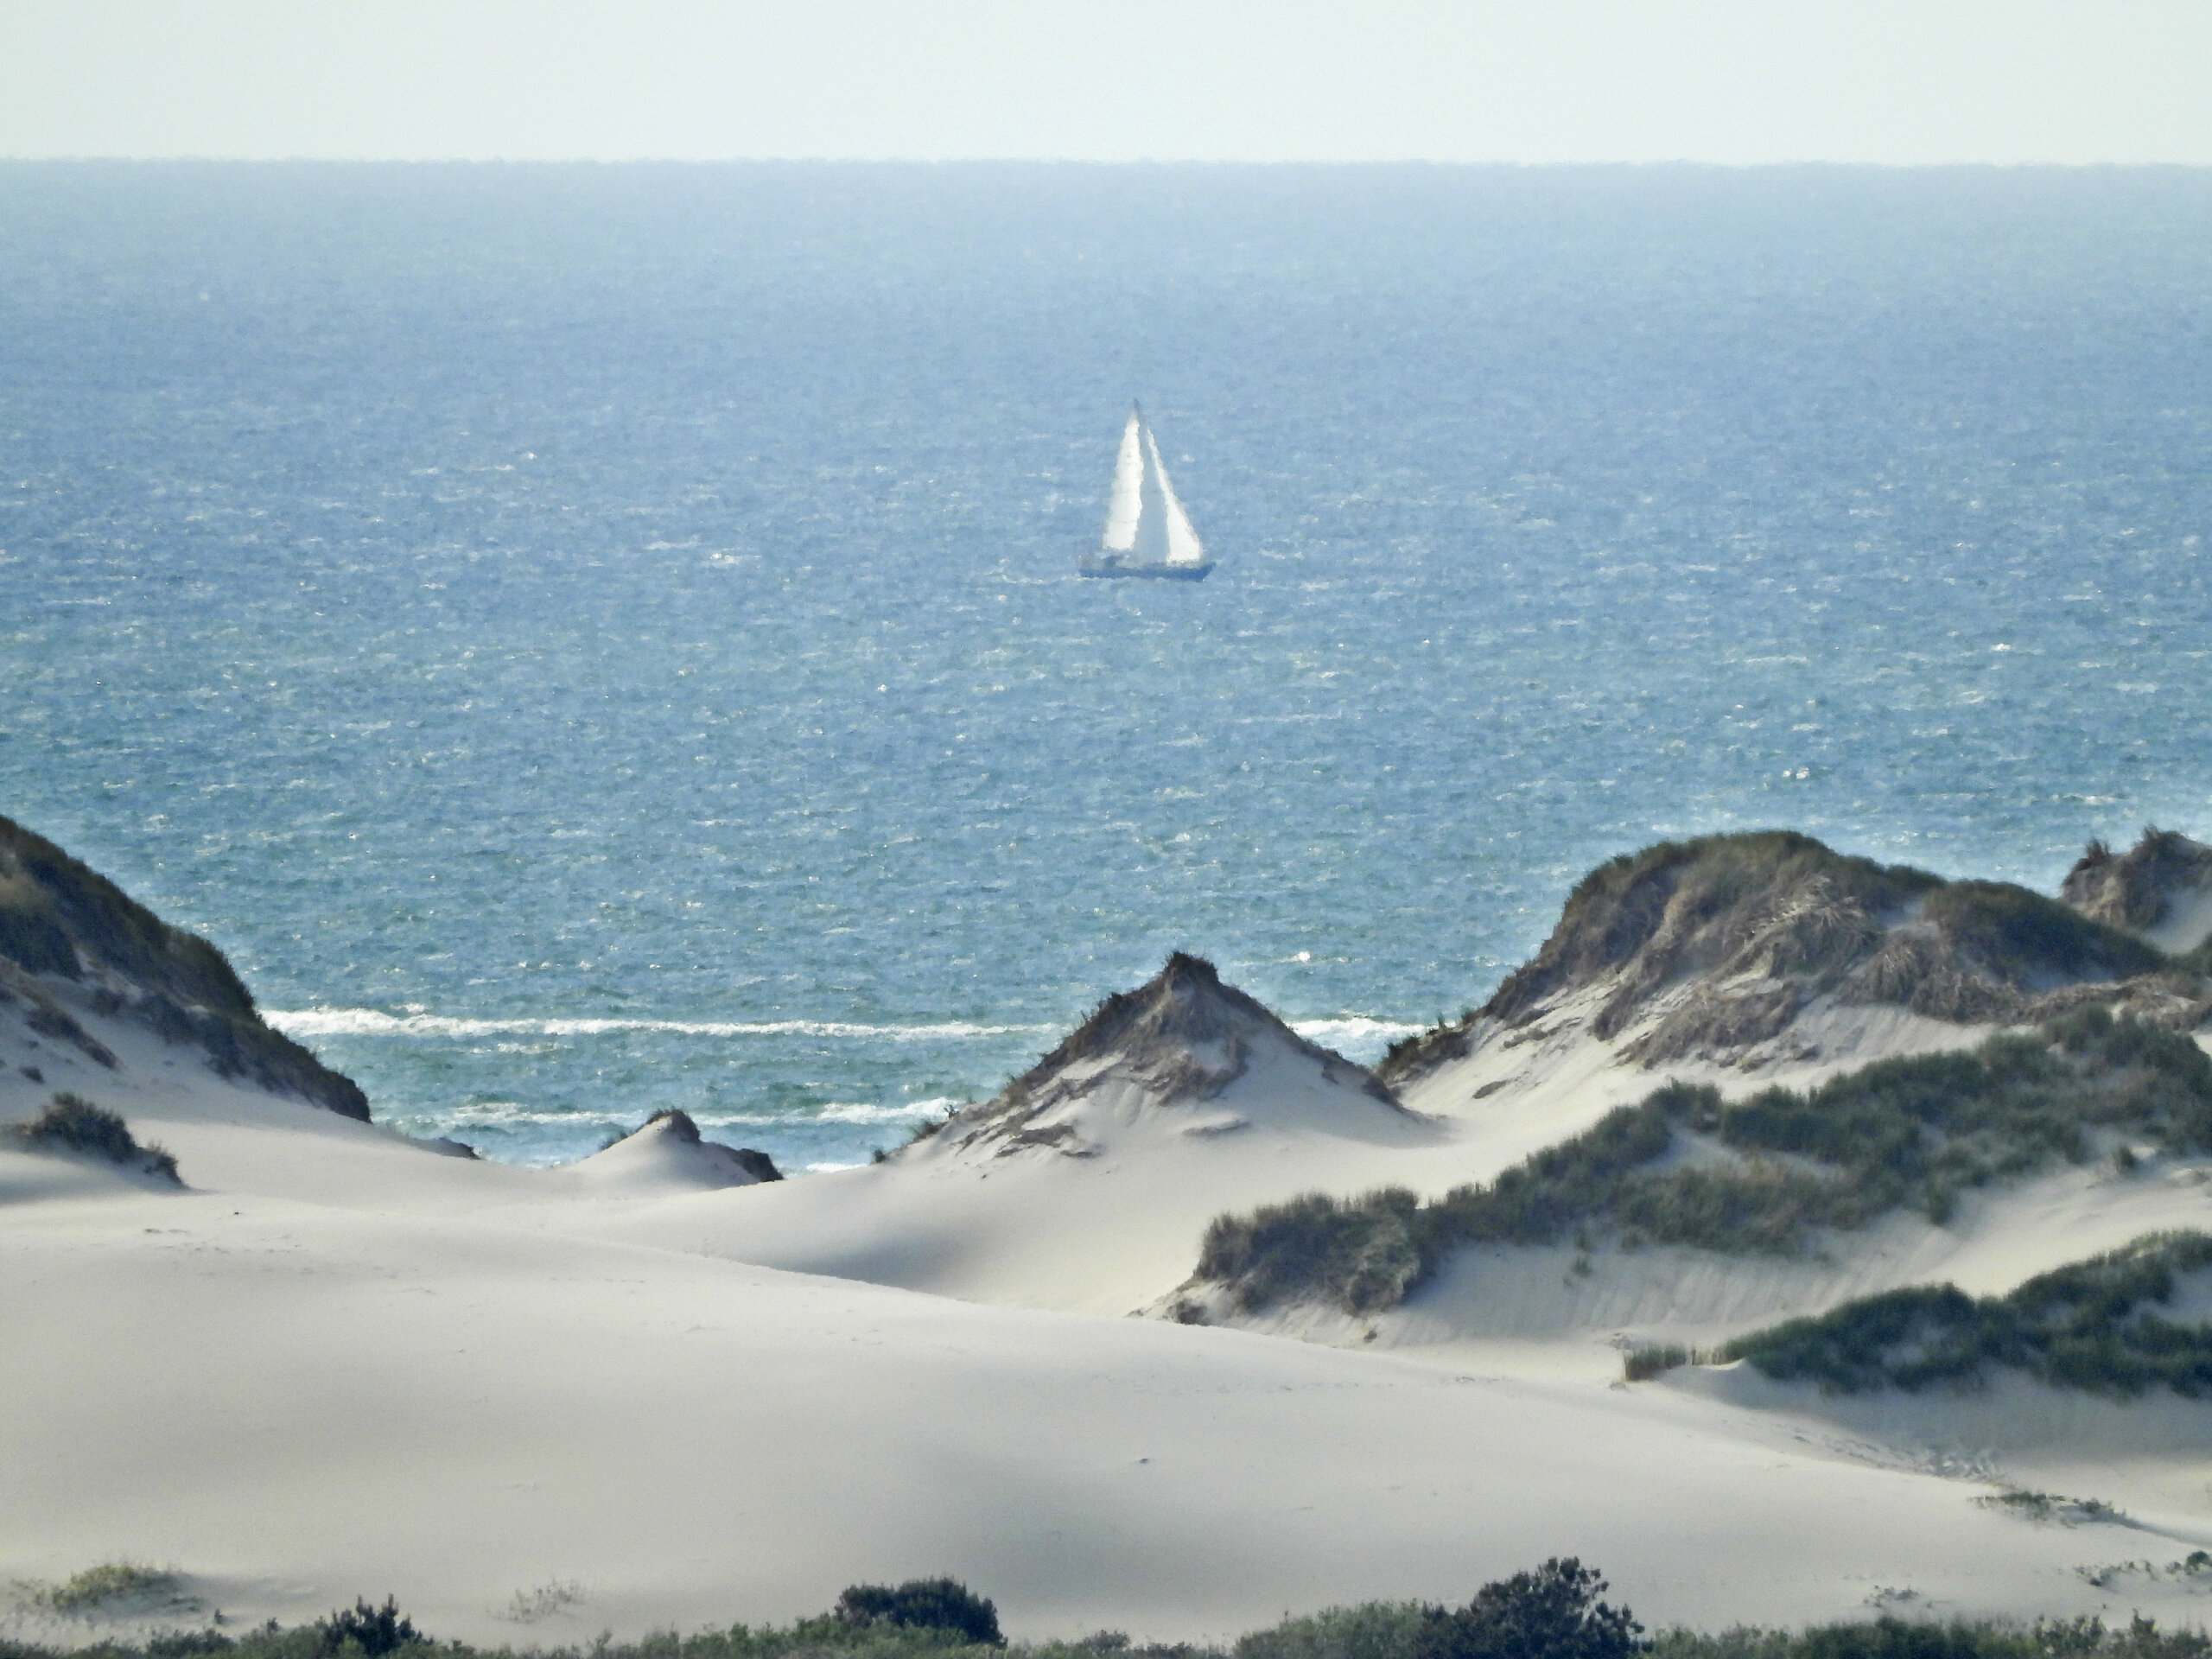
pixel 1686 163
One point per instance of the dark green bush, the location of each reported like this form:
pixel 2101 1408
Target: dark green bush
pixel 374 1630
pixel 924 1604
pixel 1373 1629
pixel 71 1123
pixel 1553 1612
pixel 1360 1254
pixel 1649 1359
pixel 2091 1326
pixel 186 1644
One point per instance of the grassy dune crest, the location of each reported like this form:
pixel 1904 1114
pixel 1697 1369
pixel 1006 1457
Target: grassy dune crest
pixel 1721 941
pixel 62 919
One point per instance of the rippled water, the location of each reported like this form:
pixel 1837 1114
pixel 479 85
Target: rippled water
pixel 587 640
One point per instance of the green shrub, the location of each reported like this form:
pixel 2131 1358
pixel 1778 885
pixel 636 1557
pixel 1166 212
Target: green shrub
pixel 1360 1254
pixel 1373 1629
pixel 1649 1359
pixel 108 1583
pixel 2091 1326
pixel 71 1123
pixel 1553 1612
pixel 924 1604
pixel 374 1631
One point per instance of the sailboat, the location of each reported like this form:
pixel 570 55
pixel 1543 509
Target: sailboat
pixel 1147 534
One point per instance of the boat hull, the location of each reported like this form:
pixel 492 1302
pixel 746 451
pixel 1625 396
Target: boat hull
pixel 1156 572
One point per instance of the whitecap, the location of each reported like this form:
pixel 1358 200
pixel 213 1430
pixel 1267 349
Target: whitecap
pixel 375 1022
pixel 1357 1036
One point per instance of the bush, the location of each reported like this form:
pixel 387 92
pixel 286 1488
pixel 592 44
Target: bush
pixel 71 1123
pixel 374 1630
pixel 1373 1629
pixel 2091 1326
pixel 97 1588
pixel 924 1604
pixel 1649 1359
pixel 1360 1254
pixel 1551 1613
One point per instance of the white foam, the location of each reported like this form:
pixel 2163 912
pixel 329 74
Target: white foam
pixel 836 1111
pixel 1356 1036
pixel 375 1022
pixel 479 1114
pixel 483 1113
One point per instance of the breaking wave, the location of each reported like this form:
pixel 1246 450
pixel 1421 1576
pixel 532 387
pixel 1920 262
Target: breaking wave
pixel 374 1022
pixel 1354 1028
pixel 515 1113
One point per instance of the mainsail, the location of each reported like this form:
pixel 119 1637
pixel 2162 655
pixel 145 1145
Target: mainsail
pixel 1145 524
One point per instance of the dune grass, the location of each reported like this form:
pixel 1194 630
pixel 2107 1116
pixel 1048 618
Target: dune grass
pixel 108 1585
pixel 71 1123
pixel 2093 1325
pixel 1909 1134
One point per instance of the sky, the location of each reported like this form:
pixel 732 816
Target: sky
pixel 1727 81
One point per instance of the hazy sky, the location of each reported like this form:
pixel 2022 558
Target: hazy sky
pixel 1542 80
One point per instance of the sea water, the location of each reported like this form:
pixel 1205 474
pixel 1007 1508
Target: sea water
pixel 587 640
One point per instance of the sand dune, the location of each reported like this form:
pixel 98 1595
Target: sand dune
pixel 339 1362
pixel 296 1401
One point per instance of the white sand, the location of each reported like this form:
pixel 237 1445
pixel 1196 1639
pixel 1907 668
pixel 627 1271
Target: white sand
pixel 342 1364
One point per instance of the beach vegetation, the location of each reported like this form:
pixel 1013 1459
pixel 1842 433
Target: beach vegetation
pixel 547 1600
pixel 930 1128
pixel 1645 1360
pixel 2047 1509
pixel 1893 1637
pixel 1715 945
pixel 926 1605
pixel 1773 1169
pixel 59 917
pixel 366 1632
pixel 110 1587
pixel 72 1124
pixel 1553 1611
pixel 2093 1325
pixel 1370 1629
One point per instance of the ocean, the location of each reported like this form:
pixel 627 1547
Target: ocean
pixel 589 640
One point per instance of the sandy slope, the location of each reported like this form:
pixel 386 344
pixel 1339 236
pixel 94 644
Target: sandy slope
pixel 297 1401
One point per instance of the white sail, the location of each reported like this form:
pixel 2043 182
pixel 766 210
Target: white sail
pixel 1144 521
pixel 1124 505
pixel 1179 543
